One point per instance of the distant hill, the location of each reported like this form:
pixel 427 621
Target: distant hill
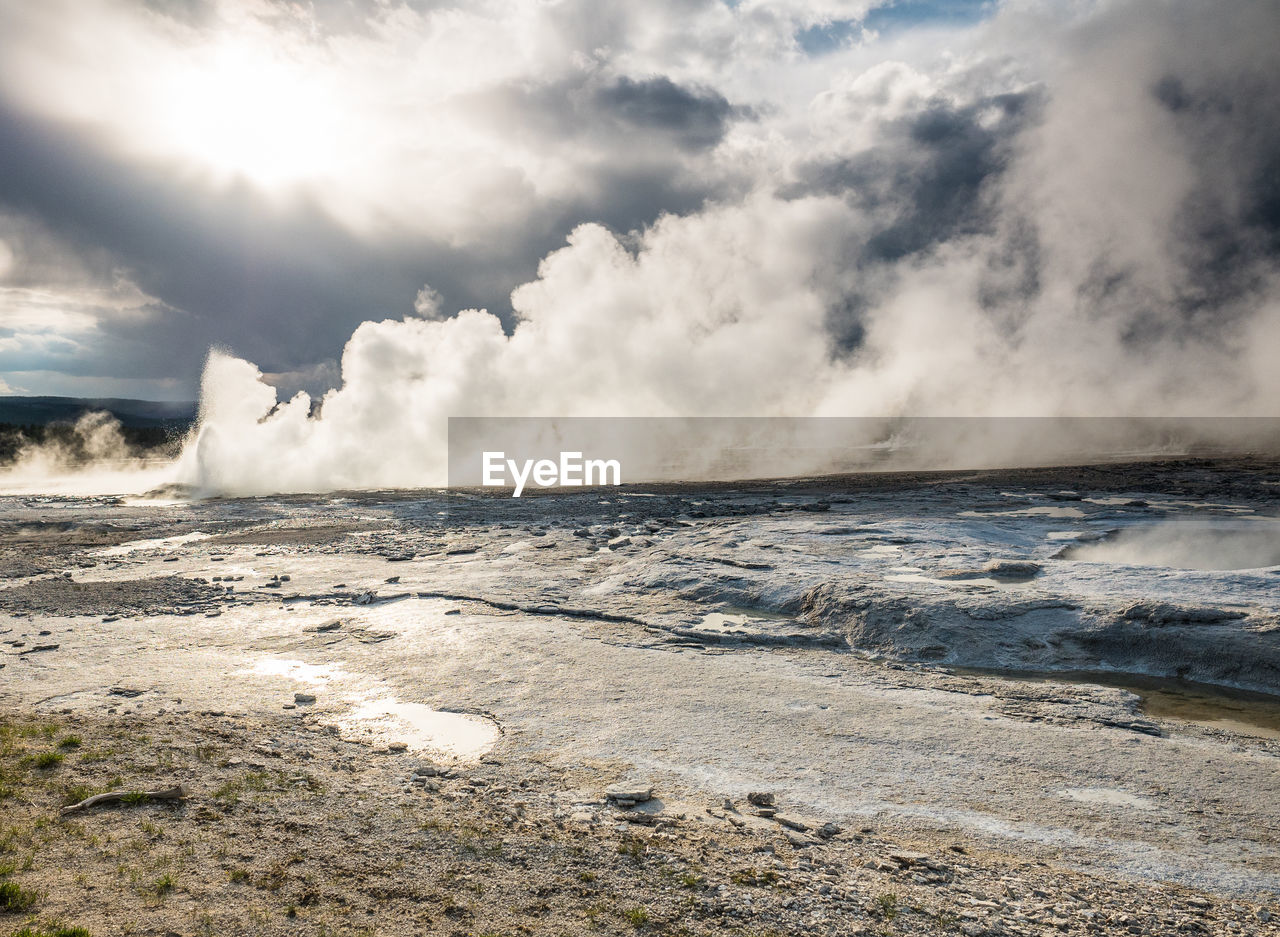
pixel 135 414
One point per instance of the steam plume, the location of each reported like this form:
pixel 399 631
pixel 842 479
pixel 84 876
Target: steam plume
pixel 1080 225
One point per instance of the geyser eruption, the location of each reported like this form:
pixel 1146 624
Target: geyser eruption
pixel 1084 224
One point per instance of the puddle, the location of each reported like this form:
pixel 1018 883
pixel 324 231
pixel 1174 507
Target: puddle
pixel 731 623
pixel 133 546
pixel 1240 711
pixel 386 721
pixel 757 614
pixel 1108 796
pixel 383 720
pixel 957 582
pixel 1206 545
pixel 1046 511
pixel 295 670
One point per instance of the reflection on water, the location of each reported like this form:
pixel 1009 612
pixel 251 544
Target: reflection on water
pixel 421 728
pixel 1048 510
pixel 1240 711
pixel 159 543
pixel 369 715
pixel 734 619
pixel 295 669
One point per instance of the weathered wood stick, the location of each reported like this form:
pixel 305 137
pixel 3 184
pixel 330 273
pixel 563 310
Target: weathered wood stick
pixel 111 797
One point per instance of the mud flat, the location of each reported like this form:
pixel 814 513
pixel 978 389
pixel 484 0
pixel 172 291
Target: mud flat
pixel 406 712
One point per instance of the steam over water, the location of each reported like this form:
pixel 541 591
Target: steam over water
pixel 1082 223
pixel 1250 544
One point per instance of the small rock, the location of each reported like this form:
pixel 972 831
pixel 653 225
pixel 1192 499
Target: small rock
pixel 1012 569
pixel 306 699
pixel 791 823
pixel 629 794
pixel 761 799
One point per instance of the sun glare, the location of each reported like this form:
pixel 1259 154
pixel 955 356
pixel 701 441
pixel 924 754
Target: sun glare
pixel 246 115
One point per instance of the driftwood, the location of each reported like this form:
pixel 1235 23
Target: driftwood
pixel 113 797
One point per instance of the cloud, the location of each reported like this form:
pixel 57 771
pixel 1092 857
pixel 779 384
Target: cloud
pixel 683 206
pixel 1047 227
pixel 275 174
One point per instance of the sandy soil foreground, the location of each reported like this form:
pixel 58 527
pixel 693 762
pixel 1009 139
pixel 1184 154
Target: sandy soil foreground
pixel 685 710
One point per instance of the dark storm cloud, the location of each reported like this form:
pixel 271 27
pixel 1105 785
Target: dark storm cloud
pixel 288 284
pixel 616 115
pixel 291 282
pixel 1232 219
pixel 924 181
pixel 691 118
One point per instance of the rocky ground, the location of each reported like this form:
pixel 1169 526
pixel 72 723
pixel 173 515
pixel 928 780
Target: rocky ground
pixel 287 829
pixel 403 713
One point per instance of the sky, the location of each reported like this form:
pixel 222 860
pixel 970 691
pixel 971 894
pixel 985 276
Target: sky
pixel 676 206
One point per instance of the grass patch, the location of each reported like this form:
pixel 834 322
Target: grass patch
pixel 74 793
pixel 636 917
pixel 54 931
pixel 250 782
pixel 887 904
pixel 632 846
pixel 71 741
pixel 44 760
pixel 163 885
pixel 153 830
pixel 760 877
pixel 14 898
